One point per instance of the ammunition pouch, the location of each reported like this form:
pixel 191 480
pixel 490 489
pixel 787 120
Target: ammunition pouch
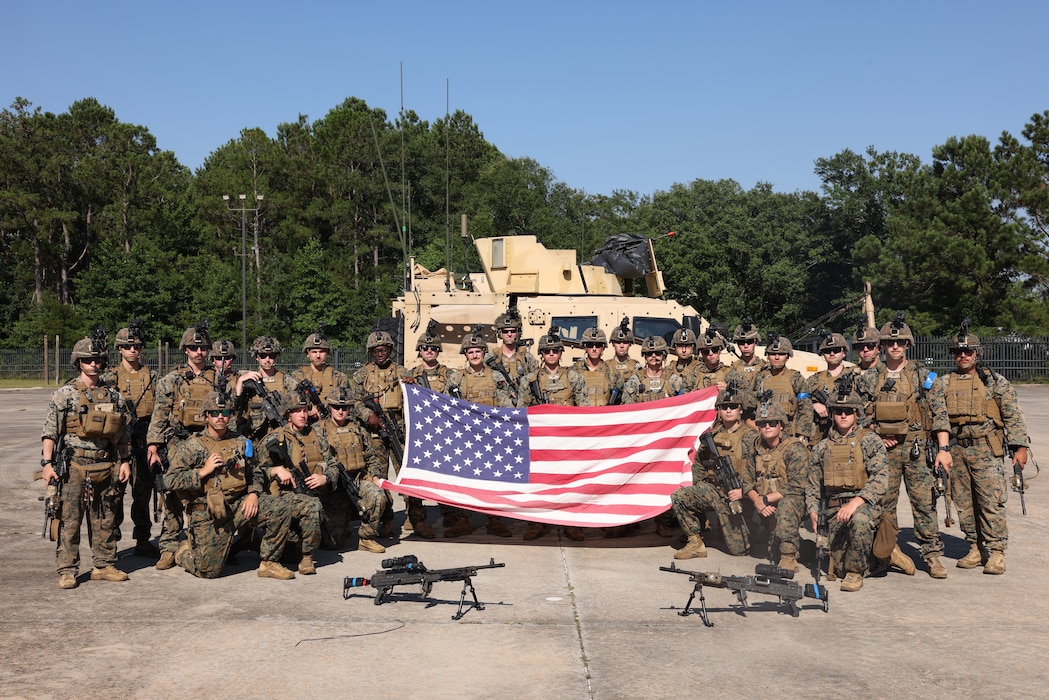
pixel 885 538
pixel 217 504
pixel 100 422
pixel 94 473
pixel 891 417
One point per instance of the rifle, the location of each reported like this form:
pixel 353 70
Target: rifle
pixel 389 432
pixel 767 579
pixel 941 481
pixel 306 387
pixel 724 473
pixel 1019 485
pixel 269 407
pixel 495 365
pixel 615 397
pixel 52 497
pixel 408 570
pixel 299 472
pixel 537 393
pixel 822 538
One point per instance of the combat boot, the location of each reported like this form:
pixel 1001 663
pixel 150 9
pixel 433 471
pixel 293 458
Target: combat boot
pixel 306 567
pixel 273 569
pixel 67 581
pixel 936 569
pixel 459 528
pixel 534 531
pixel 694 549
pixel 180 553
pixel 498 528
pixel 167 560
pixel 108 573
pixel 423 529
pixel 852 582
pixel 366 545
pixel 575 534
pixel 901 561
pixel 971 560
pixel 788 561
pixel 995 563
pixel 145 548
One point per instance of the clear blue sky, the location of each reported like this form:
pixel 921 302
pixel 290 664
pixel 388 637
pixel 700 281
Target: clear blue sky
pixel 607 95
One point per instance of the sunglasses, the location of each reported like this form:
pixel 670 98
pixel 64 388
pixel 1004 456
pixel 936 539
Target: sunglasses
pixel 508 331
pixel 224 412
pixel 766 423
pixel 841 411
pixel 430 348
pixel 746 342
pixel 197 348
pixel 963 351
pixel 867 346
pixel 710 351
pixel 268 355
pixel 731 406
pixel 133 346
pixel 336 407
pixel 550 351
pixel 593 345
pixel 831 351
pixel 93 360
pixel 890 343
pixel 650 353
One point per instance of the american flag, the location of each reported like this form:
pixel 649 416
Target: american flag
pixel 562 465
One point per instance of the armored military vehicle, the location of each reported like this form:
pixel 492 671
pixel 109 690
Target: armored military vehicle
pixel 548 288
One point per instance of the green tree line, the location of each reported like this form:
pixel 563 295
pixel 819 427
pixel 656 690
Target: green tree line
pixel 98 226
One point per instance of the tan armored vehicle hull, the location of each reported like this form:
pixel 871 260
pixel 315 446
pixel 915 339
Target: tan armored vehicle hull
pixel 547 287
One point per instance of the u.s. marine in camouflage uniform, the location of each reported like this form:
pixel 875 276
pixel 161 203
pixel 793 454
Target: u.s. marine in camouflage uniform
pixel 379 381
pixel 515 358
pixel 92 421
pixel 255 424
pixel 621 339
pixel 733 439
pixel 986 419
pixel 361 463
pixel 176 416
pixel 850 470
pixel 302 447
pixel 222 484
pixel 909 413
pixel 787 386
pixel 820 385
pixel 604 385
pixel 136 382
pixel 685 364
pixel 318 372
pixel 775 479
pixel 711 371
pixel 746 337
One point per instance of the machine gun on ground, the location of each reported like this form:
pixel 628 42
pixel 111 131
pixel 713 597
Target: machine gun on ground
pixel 389 431
pixel 767 579
pixel 408 570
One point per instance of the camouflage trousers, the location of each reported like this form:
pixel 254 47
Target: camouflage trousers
pixel 916 475
pixel 371 500
pixel 851 543
pixel 172 525
pixel 979 490
pixel 785 523
pixel 141 492
pixel 691 504
pixel 306 516
pixel 209 540
pixel 80 498
pixel 413 506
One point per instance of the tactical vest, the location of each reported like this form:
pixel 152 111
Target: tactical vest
pixel 232 476
pixel 707 378
pixel 347 442
pixel 189 404
pixel 384 385
pixel 770 467
pixel 653 389
pixel 625 369
pixel 730 444
pixel 324 380
pixel 516 365
pixel 137 388
pixel 782 388
pixel 273 385
pixel 749 372
pixel 435 379
pixel 305 448
pixel 843 467
pixel 479 388
pixel 897 410
pixel 97 416
pixel 556 386
pixel 967 402
pixel 599 382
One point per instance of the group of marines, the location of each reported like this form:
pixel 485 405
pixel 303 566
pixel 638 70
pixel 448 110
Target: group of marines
pixel 299 456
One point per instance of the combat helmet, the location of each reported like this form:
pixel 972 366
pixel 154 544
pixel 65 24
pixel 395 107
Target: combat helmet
pixel 216 401
pixel 710 339
pixel 964 340
pixel 844 394
pixel 621 333
pixel 265 344
pixel 830 340
pixel 779 344
pixel 552 340
pixel 896 329
pixel 318 340
pixel 654 343
pixel 511 318
pixel 684 336
pixel 223 350
pixel 378 339
pixel 864 333
pixel 746 330
pixel 770 410
pixel 429 337
pixel 90 347
pixel 473 339
pixel 731 394
pixel 339 396
pixel 196 335
pixel 594 335
pixel 293 400
pixel 131 335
